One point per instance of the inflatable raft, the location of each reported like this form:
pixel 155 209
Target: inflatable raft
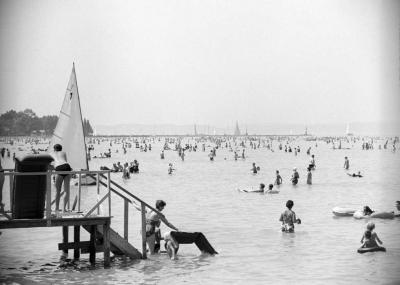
pixel 376 215
pixel 370 249
pixel 343 212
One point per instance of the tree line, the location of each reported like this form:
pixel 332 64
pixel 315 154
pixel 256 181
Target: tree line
pixel 26 123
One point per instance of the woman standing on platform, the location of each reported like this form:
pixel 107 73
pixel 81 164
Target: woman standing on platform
pixel 61 164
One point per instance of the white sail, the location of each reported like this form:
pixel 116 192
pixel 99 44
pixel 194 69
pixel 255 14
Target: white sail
pixel 69 129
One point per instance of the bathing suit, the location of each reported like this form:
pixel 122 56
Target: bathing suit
pixel 63 167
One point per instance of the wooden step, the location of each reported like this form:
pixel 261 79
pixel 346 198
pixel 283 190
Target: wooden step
pixel 119 245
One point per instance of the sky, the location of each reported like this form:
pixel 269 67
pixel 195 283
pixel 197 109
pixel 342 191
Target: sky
pixel 204 62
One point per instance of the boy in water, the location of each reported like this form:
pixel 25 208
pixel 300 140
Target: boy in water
pixel 346 163
pixel 288 218
pixel 278 179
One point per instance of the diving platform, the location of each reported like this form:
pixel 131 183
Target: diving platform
pixel 27 188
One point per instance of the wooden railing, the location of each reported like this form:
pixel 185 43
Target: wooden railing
pixel 130 198
pixel 49 202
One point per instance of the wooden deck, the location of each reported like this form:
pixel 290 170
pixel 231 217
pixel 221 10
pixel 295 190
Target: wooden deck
pixel 89 223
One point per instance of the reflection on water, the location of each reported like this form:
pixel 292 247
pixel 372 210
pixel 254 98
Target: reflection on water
pixel 244 228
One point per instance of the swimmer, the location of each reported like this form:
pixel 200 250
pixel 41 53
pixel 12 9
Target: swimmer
pixel 288 218
pixel 270 186
pixel 254 168
pixel 295 176
pixel 278 179
pixel 309 176
pixel 367 211
pixel 355 175
pixel 171 245
pixel 346 163
pixel 170 168
pixel 370 238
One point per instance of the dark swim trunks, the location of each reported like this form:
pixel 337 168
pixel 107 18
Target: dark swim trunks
pixel 63 167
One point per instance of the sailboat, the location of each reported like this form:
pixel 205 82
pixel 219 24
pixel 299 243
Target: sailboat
pixel 69 129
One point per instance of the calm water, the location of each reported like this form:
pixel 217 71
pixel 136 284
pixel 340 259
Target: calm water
pixel 244 228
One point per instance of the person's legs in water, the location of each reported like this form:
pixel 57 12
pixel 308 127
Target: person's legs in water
pixel 151 243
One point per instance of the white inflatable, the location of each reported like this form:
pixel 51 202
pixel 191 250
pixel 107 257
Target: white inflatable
pixel 343 212
pixel 377 215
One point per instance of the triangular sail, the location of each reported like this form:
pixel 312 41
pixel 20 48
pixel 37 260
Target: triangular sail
pixel 69 129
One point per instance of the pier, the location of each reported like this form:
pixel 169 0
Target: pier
pixel 103 238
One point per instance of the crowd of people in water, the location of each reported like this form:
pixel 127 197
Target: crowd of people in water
pixel 234 145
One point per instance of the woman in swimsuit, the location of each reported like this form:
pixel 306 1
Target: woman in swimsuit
pixel 61 164
pixel 153 222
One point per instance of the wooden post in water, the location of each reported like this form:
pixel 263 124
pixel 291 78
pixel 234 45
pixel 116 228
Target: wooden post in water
pixel 76 241
pixel 65 238
pixel 106 244
pixel 92 244
pixel 143 211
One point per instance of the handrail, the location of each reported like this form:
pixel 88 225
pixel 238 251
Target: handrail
pixel 88 172
pixel 133 196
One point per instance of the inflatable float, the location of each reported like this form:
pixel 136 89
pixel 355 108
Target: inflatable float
pixel 250 191
pixel 343 212
pixel 272 192
pixel 376 215
pixel 370 249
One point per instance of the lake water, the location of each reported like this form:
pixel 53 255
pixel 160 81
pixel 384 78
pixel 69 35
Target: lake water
pixel 243 227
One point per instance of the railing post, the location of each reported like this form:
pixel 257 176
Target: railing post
pixel 143 211
pixel 126 216
pixel 79 192
pixel 98 192
pixel 11 191
pixel 109 193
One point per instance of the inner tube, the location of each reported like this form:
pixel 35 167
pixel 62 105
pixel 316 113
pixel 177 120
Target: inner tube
pixel 343 212
pixel 377 215
pixel 370 249
pixel 272 192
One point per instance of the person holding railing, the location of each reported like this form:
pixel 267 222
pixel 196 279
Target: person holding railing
pixel 153 221
pixel 61 164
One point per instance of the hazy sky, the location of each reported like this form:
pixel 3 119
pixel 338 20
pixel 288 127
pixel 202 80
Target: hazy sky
pixel 205 62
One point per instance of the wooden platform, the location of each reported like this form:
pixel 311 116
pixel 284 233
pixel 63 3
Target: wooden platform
pixel 91 224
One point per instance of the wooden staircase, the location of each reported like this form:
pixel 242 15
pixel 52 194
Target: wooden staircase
pixel 118 245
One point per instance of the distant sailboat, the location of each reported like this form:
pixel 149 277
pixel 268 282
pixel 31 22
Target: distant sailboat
pixel 348 130
pixel 237 130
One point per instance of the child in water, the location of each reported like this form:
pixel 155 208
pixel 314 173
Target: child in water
pixel 288 218
pixel 170 168
pixel 370 238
